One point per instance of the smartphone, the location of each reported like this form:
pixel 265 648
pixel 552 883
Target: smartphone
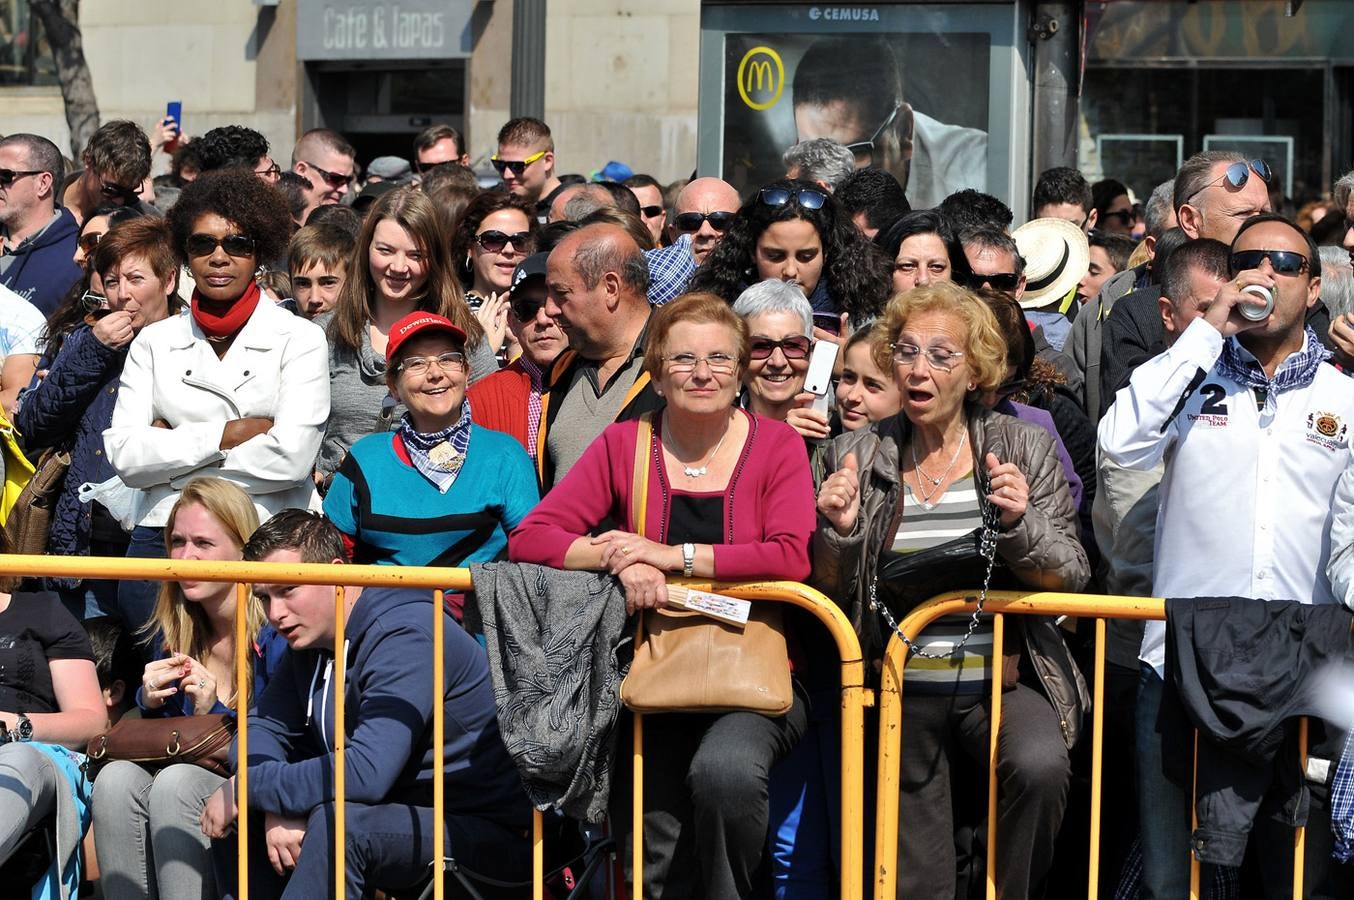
pixel 174 110
pixel 818 380
pixel 829 322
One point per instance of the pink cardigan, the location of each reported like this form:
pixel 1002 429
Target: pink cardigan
pixel 769 515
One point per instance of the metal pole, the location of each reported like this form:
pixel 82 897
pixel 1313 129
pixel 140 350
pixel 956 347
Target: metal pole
pixel 340 750
pixel 439 737
pixel 1097 760
pixel 243 642
pixel 1056 36
pixel 637 815
pixel 527 96
pixel 994 719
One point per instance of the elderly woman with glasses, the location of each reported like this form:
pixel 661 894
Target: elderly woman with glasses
pixel 793 231
pixel 237 390
pixel 438 490
pixel 941 472
pixel 729 498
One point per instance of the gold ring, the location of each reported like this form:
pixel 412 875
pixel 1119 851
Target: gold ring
pixel 625 550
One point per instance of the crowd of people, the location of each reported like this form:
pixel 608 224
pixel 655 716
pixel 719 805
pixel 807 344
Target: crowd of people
pixel 613 377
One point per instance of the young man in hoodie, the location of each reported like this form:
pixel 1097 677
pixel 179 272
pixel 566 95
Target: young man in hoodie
pixel 37 240
pixel 389 756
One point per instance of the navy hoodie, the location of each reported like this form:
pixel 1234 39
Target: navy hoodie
pixel 42 269
pixel 389 720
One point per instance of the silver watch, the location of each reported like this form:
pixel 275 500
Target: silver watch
pixel 688 560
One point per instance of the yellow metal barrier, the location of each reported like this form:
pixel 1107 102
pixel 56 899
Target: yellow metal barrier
pixel 855 696
pixel 1000 603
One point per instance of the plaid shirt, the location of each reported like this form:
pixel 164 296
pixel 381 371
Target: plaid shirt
pixel 1342 803
pixel 670 268
pixel 533 403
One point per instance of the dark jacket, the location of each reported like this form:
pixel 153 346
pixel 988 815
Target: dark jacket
pixel 1242 671
pixel 43 268
pixel 69 410
pixel 269 649
pixel 1042 550
pixel 390 756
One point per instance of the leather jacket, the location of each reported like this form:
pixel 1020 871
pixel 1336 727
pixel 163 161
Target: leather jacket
pixel 1041 550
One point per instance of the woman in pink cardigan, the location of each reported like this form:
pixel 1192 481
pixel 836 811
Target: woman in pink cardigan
pixel 730 497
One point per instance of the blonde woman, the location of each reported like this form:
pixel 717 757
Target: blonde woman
pixel 148 837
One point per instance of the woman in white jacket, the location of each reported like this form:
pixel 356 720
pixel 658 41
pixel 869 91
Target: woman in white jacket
pixel 237 390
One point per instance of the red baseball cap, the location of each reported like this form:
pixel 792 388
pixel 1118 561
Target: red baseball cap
pixel 417 323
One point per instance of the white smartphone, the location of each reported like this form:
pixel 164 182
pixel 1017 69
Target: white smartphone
pixel 818 380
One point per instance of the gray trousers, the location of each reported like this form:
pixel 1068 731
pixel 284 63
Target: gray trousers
pixel 28 786
pixel 147 832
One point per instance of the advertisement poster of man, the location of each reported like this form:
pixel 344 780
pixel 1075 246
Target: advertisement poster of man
pixel 883 96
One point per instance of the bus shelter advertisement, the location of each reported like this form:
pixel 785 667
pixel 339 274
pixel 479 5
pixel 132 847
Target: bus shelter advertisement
pixel 913 104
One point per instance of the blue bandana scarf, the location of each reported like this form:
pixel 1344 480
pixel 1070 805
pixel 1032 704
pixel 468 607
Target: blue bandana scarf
pixel 438 463
pixel 1297 371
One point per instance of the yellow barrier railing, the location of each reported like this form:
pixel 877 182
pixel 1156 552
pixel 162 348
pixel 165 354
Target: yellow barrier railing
pixel 999 604
pixel 855 696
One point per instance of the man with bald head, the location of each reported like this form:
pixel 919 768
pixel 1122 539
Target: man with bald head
pixel 595 282
pixel 326 160
pixel 704 210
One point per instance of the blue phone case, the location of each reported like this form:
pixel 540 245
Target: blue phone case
pixel 174 110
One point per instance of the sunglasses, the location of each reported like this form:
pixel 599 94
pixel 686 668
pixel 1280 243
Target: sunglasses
pixel 9 176
pixel 796 346
pixel 518 166
pixel 333 179
pixel 806 198
pixel 1123 216
pixel 237 245
pixel 864 150
pixel 692 221
pixel 1238 173
pixel 114 191
pixel 89 240
pixel 1284 262
pixel 1001 281
pixel 651 212
pixel 526 308
pixel 273 171
pixel 494 241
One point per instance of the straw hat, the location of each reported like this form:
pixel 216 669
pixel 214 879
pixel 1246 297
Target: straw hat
pixel 1056 258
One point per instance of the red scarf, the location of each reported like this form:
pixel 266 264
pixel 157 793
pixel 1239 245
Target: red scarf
pixel 230 319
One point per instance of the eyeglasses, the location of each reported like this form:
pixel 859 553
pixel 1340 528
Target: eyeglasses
pixel 998 281
pixel 1124 216
pixel 496 241
pixel 9 176
pixel 942 360
pixel 796 346
pixel 272 172
pixel 806 198
pixel 686 363
pixel 89 240
pixel 518 166
pixel 418 365
pixel 692 221
pixel 864 150
pixel 333 179
pixel 1284 262
pixel 526 308
pixel 237 245
pixel 1238 173
pixel 652 212
pixel 114 191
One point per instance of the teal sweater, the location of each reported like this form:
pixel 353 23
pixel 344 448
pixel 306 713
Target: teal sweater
pixel 395 516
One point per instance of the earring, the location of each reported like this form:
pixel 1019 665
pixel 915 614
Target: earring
pixel 971 386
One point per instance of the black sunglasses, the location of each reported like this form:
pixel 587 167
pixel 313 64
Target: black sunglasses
pixel 9 176
pixel 333 179
pixel 692 221
pixel 114 191
pixel 495 241
pixel 1125 216
pixel 1238 173
pixel 1001 281
pixel 864 150
pixel 807 198
pixel 518 166
pixel 796 346
pixel 1284 262
pixel 526 308
pixel 650 212
pixel 237 245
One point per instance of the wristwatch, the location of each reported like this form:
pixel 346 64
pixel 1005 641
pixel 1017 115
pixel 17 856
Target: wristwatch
pixel 688 560
pixel 23 728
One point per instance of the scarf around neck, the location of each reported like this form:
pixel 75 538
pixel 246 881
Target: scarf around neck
pixel 1297 371
pixel 228 321
pixel 438 463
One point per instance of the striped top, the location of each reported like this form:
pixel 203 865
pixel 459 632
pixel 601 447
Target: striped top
pixel 958 512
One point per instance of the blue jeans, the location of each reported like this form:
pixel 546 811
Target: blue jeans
pixel 805 806
pixel 390 846
pixel 1163 806
pixel 136 599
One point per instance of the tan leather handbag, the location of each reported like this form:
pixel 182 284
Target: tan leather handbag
pixel 155 743
pixel 688 662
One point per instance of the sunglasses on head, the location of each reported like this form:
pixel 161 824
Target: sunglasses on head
pixel 1238 173
pixel 692 221
pixel 1284 262
pixel 89 240
pixel 807 198
pixel 1001 281
pixel 796 346
pixel 518 166
pixel 9 176
pixel 333 179
pixel 238 245
pixel 495 241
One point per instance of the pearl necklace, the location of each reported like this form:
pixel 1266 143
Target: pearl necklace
pixel 926 502
pixel 691 471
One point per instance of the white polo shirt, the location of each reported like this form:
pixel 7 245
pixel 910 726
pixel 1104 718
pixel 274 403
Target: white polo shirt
pixel 1246 501
pixel 21 324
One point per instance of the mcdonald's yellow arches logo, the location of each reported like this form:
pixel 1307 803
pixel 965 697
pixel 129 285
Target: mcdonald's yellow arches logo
pixel 761 73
